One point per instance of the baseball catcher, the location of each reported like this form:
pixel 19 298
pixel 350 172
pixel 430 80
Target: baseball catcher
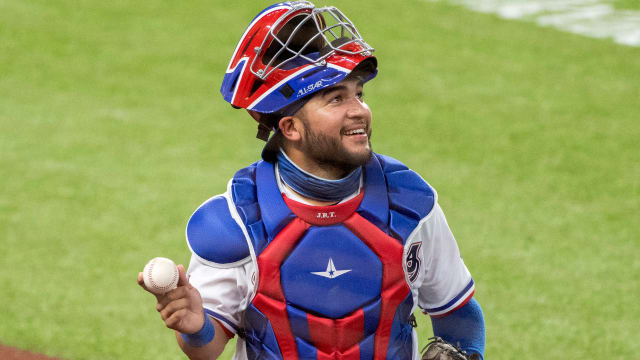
pixel 322 249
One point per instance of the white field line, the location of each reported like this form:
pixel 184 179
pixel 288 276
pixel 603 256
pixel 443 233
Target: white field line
pixel 594 18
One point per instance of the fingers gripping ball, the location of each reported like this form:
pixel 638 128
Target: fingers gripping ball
pixel 160 275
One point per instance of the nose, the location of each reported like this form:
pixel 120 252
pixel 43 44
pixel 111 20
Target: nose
pixel 357 108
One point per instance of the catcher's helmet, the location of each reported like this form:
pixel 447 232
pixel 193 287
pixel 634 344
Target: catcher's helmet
pixel 289 51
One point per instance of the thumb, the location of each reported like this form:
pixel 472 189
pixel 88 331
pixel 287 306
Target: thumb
pixel 182 276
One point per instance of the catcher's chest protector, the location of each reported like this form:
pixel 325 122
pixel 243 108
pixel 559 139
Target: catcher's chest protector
pixel 331 283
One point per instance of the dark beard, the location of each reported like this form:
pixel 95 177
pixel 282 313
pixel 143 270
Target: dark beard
pixel 329 153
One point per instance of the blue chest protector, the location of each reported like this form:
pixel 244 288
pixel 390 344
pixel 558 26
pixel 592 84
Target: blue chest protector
pixel 331 281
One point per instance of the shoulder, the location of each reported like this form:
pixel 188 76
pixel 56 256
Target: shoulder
pixel 411 199
pixel 214 235
pixel 407 189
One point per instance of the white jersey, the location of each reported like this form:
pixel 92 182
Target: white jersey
pixel 437 276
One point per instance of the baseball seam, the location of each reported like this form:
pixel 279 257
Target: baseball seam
pixel 154 284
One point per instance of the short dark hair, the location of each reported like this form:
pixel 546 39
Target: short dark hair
pixel 364 70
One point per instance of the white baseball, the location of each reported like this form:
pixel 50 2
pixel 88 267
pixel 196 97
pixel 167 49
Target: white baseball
pixel 160 275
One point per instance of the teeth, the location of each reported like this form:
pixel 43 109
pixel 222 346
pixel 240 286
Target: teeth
pixel 354 132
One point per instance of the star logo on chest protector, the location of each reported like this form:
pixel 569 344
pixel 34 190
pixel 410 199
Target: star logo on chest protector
pixel 331 271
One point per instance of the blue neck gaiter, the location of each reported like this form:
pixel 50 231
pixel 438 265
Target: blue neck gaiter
pixel 315 187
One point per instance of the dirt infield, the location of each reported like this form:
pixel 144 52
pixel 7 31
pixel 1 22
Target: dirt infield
pixel 11 353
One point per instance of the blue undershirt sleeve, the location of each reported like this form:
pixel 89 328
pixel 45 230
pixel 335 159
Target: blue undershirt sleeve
pixel 463 327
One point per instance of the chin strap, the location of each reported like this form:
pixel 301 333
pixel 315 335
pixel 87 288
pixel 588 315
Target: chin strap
pixel 263 132
pixel 266 123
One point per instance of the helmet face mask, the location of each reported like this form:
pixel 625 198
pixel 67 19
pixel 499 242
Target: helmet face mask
pixel 309 37
pixel 289 51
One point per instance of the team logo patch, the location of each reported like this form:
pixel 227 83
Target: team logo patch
pixel 331 271
pixel 413 261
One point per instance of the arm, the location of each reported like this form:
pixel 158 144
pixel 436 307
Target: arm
pixel 181 310
pixel 446 290
pixel 463 327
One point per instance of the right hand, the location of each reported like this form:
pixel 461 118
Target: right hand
pixel 181 308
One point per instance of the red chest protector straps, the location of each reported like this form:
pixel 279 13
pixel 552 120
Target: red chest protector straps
pixel 331 283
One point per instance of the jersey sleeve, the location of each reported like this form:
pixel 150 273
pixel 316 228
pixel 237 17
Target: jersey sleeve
pixel 225 292
pixel 445 283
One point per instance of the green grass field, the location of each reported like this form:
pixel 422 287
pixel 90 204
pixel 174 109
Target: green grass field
pixel 112 131
pixel 627 4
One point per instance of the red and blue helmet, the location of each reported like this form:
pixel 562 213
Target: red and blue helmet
pixel 291 50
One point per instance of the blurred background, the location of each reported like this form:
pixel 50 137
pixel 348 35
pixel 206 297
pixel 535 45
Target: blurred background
pixel 113 131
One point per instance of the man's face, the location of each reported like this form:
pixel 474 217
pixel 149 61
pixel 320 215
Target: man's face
pixel 337 127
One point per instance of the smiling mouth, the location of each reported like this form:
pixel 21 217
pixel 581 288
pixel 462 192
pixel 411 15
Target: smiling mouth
pixel 355 132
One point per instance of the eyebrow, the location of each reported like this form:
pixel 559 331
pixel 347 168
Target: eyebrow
pixel 336 87
pixel 330 89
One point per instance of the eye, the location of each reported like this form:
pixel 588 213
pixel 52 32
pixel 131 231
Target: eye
pixel 360 95
pixel 335 99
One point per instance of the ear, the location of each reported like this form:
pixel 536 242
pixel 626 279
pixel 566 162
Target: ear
pixel 290 127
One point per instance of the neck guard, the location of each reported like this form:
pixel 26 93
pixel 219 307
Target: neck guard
pixel 315 187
